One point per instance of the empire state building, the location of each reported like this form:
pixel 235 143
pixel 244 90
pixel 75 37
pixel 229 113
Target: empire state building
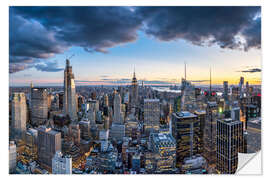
pixel 70 105
pixel 134 91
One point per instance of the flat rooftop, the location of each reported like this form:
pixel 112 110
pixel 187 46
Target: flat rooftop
pixel 229 121
pixel 163 139
pixel 184 114
pixel 151 100
pixel 200 111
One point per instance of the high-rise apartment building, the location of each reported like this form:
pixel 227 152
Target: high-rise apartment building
pixel 61 164
pixel 70 100
pixel 48 143
pixel 229 143
pixel 39 106
pixel 151 115
pixel 19 115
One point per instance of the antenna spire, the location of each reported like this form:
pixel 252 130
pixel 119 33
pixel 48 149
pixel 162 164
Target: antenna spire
pixel 134 72
pixel 185 71
pixel 210 81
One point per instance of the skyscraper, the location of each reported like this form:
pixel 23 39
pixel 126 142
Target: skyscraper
pixel 225 90
pixel 188 97
pixel 70 104
pixel 19 115
pixel 229 143
pixel 106 100
pixel 39 106
pixel 117 118
pixel 133 91
pixel 151 115
pixel 201 117
pixel 84 125
pixel 186 131
pixel 117 130
pixel 241 86
pixel 48 143
pixel 210 133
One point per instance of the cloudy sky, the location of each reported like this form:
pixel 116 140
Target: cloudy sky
pixel 108 42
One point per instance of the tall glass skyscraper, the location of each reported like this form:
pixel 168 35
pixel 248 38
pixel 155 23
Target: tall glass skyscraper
pixel 70 104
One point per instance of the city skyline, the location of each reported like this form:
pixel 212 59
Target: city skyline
pixel 107 49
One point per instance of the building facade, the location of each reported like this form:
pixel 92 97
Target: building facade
pixel 12 157
pixel 133 99
pixel 210 133
pixel 48 143
pixel 39 106
pixel 151 116
pixel 117 115
pixel 164 146
pixel 19 115
pixel 61 164
pixel 229 143
pixel 186 131
pixel 70 100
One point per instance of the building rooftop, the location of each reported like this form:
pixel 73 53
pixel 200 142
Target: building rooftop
pixel 151 100
pixel 48 130
pixel 229 121
pixel 185 114
pixel 200 112
pixel 162 140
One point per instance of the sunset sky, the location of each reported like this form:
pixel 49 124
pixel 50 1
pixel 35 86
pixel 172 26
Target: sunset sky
pixel 108 42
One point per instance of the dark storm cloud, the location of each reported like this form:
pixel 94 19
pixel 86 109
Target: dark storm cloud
pixel 38 33
pixel 42 32
pixel 204 25
pixel 48 67
pixel 30 39
pixel 254 70
pixel 252 35
pixel 93 28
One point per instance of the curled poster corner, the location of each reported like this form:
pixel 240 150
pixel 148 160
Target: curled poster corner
pixel 249 163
